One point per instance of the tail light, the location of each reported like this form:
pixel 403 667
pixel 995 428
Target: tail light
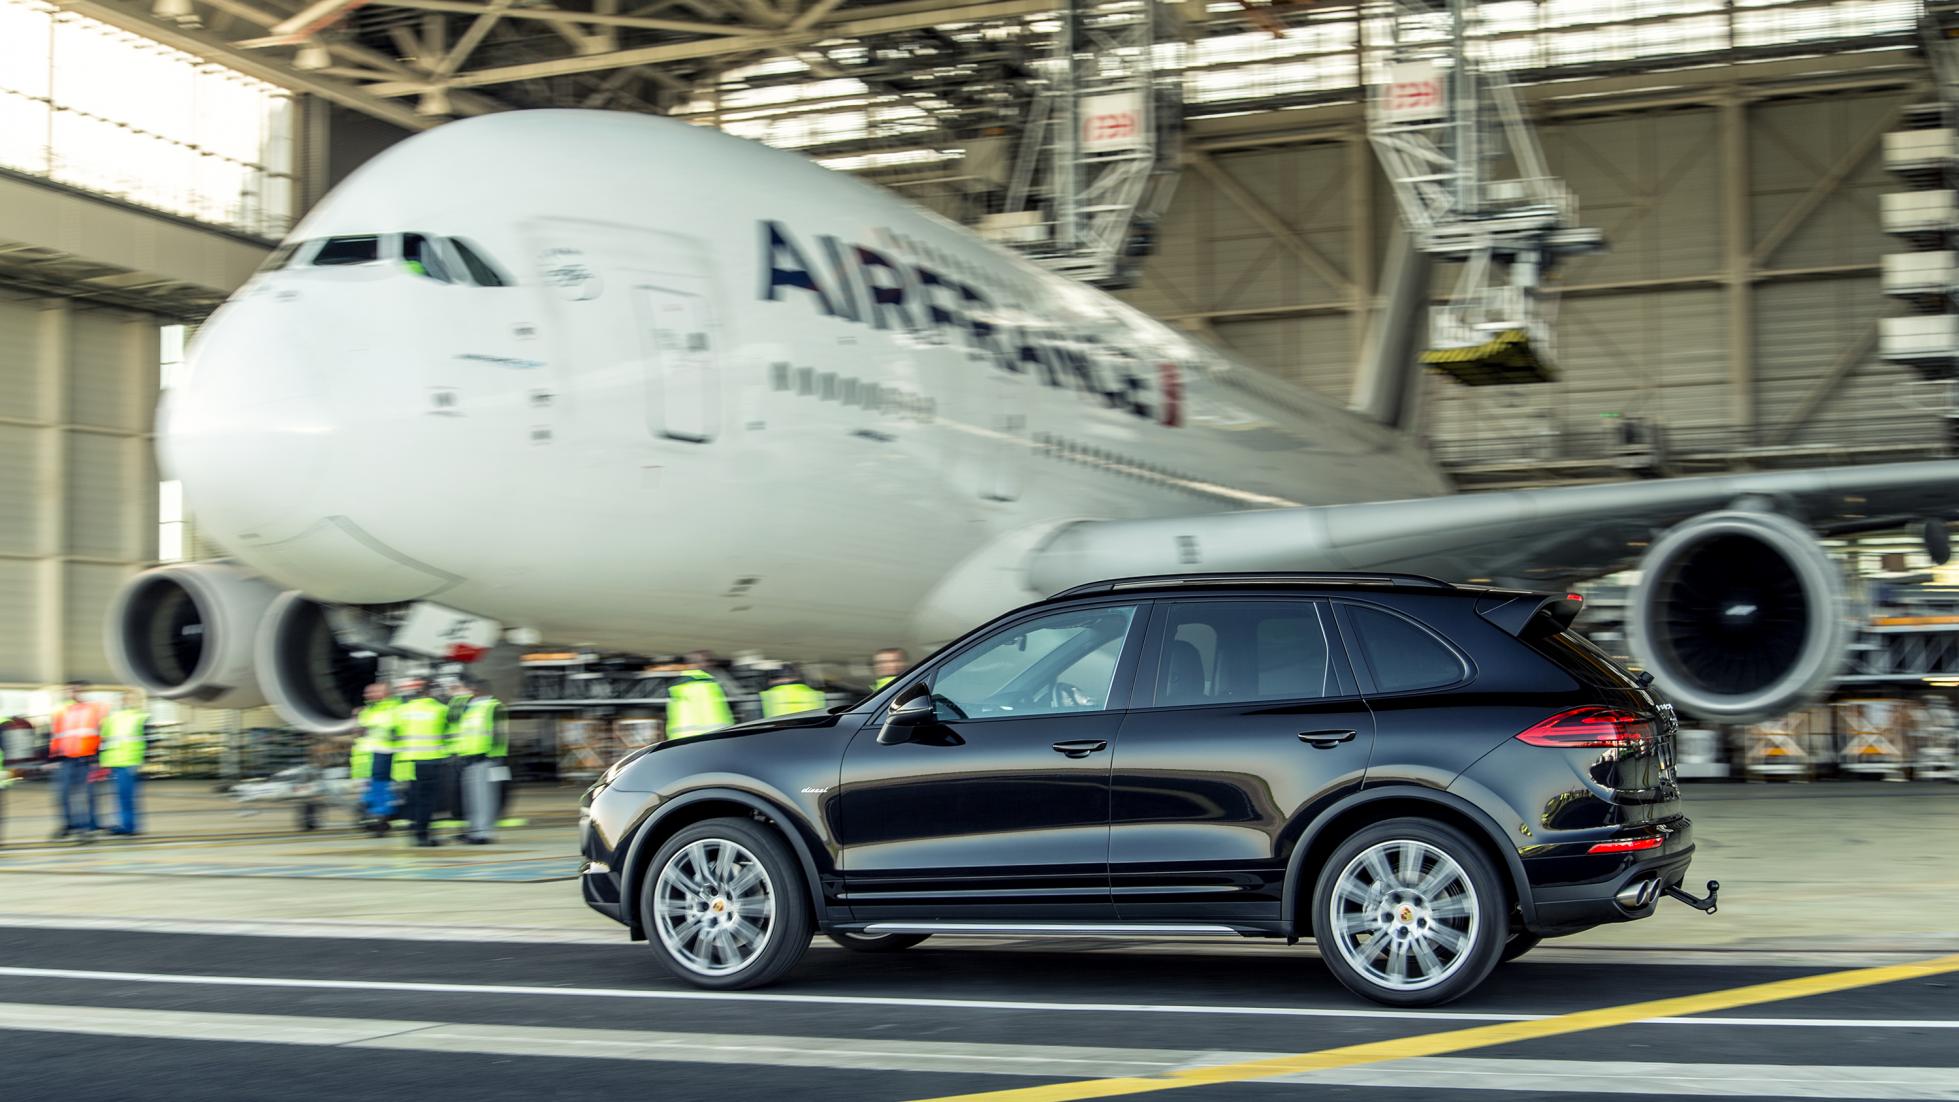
pixel 1627 845
pixel 1590 726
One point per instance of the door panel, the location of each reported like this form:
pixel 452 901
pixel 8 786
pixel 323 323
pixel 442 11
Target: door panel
pixel 982 819
pixel 979 815
pixel 1247 727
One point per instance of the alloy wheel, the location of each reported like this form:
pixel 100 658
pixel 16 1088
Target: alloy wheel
pixel 1404 915
pixel 714 907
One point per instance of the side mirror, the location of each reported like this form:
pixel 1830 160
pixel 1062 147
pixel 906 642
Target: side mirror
pixel 905 715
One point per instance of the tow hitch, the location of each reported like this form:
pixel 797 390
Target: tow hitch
pixel 1705 904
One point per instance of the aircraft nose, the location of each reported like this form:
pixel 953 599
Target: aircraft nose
pixel 249 431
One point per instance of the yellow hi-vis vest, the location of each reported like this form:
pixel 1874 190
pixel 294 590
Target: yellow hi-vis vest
pixel 122 739
pixel 782 700
pixel 476 732
pixel 377 736
pixel 696 705
pixel 882 682
pixel 422 725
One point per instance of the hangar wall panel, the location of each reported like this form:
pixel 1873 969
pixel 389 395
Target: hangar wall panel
pixel 20 334
pixel 1647 328
pixel 20 491
pixel 19 581
pixel 77 480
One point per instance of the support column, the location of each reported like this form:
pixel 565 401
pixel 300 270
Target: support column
pixel 311 157
pixel 50 363
pixel 1738 245
pixel 1360 220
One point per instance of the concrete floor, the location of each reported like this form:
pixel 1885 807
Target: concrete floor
pixel 1855 867
pixel 227 958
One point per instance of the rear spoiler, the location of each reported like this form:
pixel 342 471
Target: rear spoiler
pixel 1531 613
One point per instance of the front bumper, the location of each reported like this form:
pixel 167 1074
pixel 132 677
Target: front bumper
pixel 596 880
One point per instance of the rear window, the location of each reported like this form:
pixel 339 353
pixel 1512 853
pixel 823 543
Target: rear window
pixel 1404 656
pixel 1579 657
pixel 1223 652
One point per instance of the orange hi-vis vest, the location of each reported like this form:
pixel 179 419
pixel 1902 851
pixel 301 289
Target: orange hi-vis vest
pixel 78 729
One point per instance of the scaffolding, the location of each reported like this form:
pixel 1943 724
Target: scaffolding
pixel 1473 188
pixel 1098 155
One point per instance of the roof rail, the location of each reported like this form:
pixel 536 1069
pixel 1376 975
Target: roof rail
pixel 1275 577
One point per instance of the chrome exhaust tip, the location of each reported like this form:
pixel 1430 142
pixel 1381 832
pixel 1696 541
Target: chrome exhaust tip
pixel 1639 894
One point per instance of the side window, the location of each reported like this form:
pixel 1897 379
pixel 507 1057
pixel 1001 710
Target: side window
pixel 280 257
pixel 348 250
pixel 1222 652
pixel 480 269
pixel 1060 663
pixel 1403 656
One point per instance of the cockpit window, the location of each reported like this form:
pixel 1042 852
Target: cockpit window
pixel 348 250
pixel 480 269
pixel 422 257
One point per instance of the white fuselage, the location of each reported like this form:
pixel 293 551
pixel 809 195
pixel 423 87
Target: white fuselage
pixel 728 398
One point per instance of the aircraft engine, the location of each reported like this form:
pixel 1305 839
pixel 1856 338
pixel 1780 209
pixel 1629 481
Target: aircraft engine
pixel 186 632
pixel 309 674
pixel 1739 616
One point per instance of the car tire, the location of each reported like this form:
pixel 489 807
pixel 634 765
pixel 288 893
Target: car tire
pixel 724 905
pixel 876 943
pixel 1521 942
pixel 1446 919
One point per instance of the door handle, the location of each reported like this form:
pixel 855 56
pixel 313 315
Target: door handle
pixel 1081 748
pixel 1325 740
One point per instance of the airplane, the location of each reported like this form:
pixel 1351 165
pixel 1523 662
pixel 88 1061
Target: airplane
pixel 616 379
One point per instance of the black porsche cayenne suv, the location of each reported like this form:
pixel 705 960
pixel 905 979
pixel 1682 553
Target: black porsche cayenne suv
pixel 1426 779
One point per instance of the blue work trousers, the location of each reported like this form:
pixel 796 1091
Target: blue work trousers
pixel 126 779
pixel 77 795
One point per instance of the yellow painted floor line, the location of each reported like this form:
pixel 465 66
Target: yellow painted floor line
pixel 1459 1040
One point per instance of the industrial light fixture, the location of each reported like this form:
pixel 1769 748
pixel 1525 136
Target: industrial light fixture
pixel 177 11
pixel 312 57
pixel 435 101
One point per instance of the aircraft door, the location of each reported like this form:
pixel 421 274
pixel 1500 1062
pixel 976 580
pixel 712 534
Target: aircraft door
pixel 1001 479
pixel 681 344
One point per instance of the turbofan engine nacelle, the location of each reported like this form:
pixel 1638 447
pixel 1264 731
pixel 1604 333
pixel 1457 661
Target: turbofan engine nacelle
pixel 1739 616
pixel 308 672
pixel 186 632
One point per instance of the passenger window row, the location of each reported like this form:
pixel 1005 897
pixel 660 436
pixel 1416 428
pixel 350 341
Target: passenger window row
pixel 442 259
pixel 1215 652
pixel 1060 447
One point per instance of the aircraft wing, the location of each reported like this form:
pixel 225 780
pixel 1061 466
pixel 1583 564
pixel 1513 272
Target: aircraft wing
pixel 1544 537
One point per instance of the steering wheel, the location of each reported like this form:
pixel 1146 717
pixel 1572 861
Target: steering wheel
pixel 948 705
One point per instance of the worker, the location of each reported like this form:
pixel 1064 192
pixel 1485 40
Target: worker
pixel 16 734
pixel 449 802
pixel 422 726
pixel 76 742
pixel 477 748
pixel 886 665
pixel 695 702
pixel 123 736
pixel 787 694
pixel 371 765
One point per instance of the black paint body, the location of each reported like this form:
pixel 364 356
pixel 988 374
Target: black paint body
pixel 1213 813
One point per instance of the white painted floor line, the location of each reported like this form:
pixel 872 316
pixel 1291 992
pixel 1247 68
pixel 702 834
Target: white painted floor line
pixel 681 995
pixel 886 1054
pixel 612 935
